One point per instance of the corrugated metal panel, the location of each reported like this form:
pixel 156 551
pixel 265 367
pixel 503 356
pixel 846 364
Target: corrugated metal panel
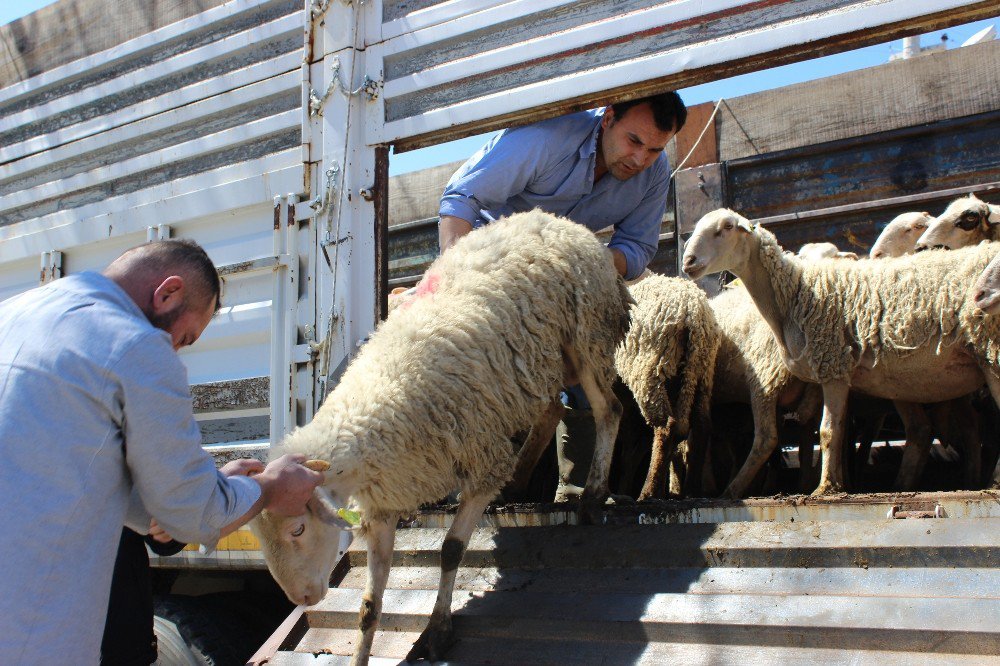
pixel 488 64
pixel 188 131
pixel 819 583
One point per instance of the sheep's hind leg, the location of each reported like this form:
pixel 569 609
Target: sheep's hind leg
pixel 663 450
pixel 917 427
pixel 438 637
pixel 381 535
pixel 532 449
pixel 607 414
pixel 765 439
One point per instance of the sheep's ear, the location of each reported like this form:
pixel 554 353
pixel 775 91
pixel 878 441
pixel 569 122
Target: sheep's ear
pixel 321 506
pixel 745 224
pixel 317 465
pixel 993 217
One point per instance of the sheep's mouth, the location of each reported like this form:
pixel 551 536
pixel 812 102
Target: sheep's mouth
pixel 695 271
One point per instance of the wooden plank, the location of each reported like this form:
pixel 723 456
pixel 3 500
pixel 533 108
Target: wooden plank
pixel 416 195
pixel 72 29
pixel 549 87
pixel 707 150
pixel 904 93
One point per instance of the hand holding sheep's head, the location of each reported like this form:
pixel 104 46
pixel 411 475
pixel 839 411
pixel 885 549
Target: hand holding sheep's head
pixel 718 243
pixel 301 551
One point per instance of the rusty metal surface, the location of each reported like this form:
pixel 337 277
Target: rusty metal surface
pixel 842 589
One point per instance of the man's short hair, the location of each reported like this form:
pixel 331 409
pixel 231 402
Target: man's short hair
pixel 180 255
pixel 669 112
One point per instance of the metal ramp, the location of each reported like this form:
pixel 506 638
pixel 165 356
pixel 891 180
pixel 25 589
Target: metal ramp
pixel 859 588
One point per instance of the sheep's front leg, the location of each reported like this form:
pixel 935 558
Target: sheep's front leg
pixel 831 437
pixel 917 427
pixel 381 535
pixel 532 449
pixel 438 636
pixel 765 439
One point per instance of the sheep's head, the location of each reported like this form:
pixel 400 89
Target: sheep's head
pixel 900 236
pixel 301 551
pixel 966 221
pixel 719 243
pixel 986 291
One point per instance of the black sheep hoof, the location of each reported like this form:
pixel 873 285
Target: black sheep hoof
pixel 432 645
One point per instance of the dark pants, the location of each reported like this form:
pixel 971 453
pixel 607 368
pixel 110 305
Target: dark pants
pixel 128 631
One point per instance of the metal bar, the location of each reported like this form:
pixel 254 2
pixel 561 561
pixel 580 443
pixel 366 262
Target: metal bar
pixel 381 201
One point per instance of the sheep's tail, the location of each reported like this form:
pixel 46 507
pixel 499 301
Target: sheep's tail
pixel 700 349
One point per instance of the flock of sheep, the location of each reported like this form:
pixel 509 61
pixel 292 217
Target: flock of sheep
pixel 525 306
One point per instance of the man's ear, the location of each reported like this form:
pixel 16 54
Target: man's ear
pixel 169 294
pixel 609 117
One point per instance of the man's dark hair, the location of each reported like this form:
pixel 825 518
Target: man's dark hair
pixel 182 254
pixel 669 112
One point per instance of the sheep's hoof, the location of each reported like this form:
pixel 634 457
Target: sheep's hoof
pixel 432 645
pixel 827 488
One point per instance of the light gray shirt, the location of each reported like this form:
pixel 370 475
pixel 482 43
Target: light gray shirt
pixel 94 408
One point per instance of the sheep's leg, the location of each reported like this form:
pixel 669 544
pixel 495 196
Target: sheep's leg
pixel 831 437
pixel 381 535
pixel 958 424
pixel 439 636
pixel 993 382
pixel 663 449
pixel 701 427
pixel 532 449
pixel 607 414
pixel 765 439
pixel 917 427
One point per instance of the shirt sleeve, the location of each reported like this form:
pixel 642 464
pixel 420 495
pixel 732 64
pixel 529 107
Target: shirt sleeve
pixel 637 235
pixel 503 168
pixel 174 477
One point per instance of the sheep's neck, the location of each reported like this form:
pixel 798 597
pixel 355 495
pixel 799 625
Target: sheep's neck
pixel 760 283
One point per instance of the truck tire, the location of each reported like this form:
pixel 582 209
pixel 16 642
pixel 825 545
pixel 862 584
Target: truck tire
pixel 206 635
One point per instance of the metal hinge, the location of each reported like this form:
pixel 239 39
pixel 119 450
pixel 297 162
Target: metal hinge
pixel 898 512
pixel 159 232
pixel 52 262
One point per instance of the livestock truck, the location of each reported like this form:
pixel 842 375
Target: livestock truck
pixel 263 128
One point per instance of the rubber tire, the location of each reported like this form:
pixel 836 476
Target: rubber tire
pixel 208 634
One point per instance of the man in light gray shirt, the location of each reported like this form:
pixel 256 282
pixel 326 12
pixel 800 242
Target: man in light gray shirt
pixel 97 431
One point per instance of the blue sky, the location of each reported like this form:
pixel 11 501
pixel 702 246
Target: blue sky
pixel 733 87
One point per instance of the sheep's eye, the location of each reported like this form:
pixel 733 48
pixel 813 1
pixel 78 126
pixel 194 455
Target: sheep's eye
pixel 968 221
pixel 297 532
pixel 920 226
pixel 727 225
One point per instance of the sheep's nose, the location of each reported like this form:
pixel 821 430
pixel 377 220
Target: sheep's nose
pixel 980 295
pixel 877 254
pixel 921 247
pixel 690 260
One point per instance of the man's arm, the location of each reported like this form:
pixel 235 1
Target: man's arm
pixel 450 229
pixel 619 258
pixel 636 236
pixel 174 477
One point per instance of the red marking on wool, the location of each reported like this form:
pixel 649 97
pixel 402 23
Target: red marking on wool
pixel 428 285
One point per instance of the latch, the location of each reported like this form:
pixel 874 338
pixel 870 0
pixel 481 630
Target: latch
pixel 370 87
pixel 898 512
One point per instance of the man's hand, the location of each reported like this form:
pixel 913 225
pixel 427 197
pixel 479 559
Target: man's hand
pixel 242 467
pixel 158 533
pixel 619 259
pixel 286 485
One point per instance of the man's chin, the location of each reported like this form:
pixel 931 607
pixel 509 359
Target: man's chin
pixel 621 173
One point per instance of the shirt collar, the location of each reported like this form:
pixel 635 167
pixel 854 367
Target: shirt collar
pixel 589 147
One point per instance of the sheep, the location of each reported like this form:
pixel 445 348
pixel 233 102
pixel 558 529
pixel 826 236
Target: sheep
pixel 885 328
pixel 667 360
pixel 816 251
pixel 966 221
pixel 986 290
pixel 497 325
pixel 900 236
pixel 749 370
pixel 955 419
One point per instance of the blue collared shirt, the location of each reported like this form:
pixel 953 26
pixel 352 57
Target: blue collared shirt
pixel 96 430
pixel 550 165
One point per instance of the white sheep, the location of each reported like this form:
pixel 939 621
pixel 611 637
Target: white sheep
pixel 986 290
pixel 886 328
pixel 900 236
pixel 817 251
pixel 749 370
pixel 966 221
pixel 667 360
pixel 498 324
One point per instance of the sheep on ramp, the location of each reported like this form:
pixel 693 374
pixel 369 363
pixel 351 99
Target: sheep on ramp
pixel 499 323
pixel 902 329
pixel 900 236
pixel 667 360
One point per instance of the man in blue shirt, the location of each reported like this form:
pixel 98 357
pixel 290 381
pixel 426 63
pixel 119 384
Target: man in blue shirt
pixel 601 168
pixel 97 432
